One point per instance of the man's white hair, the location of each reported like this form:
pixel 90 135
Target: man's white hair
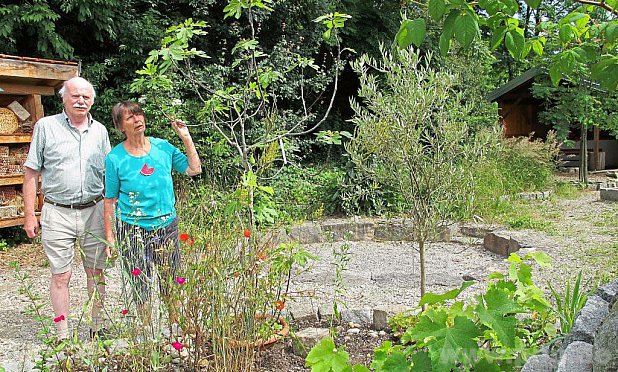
pixel 63 90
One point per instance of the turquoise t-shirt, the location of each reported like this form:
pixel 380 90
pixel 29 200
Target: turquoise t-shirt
pixel 143 184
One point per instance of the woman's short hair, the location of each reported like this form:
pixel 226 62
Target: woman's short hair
pixel 121 109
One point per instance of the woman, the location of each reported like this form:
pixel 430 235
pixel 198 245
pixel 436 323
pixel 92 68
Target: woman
pixel 138 181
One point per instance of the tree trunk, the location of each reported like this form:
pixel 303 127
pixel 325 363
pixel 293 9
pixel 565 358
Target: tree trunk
pixel 421 251
pixel 583 155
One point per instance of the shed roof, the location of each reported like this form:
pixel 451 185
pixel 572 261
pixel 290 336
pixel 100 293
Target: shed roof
pixel 39 76
pixel 514 83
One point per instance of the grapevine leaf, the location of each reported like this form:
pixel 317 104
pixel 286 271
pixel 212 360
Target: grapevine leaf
pixel 326 357
pixel 397 362
pixel 494 311
pixel 432 298
pixel 422 362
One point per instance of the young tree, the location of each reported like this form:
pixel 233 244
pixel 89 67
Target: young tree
pixel 410 133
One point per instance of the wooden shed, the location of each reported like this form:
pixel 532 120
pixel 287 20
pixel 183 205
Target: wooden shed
pixel 23 81
pixel 519 112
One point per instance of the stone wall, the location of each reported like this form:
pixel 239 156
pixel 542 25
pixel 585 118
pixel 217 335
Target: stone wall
pixel 591 345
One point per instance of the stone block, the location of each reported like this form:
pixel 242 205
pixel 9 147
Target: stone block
pixel 576 358
pixel 588 320
pixel 446 233
pixel 394 230
pixel 539 363
pixel 380 320
pixel 304 340
pixel 353 230
pixel 609 193
pixel 500 242
pixel 608 291
pixel 474 231
pixel 605 352
pixel 363 317
pixel 306 233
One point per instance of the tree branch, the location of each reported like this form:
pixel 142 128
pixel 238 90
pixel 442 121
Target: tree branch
pixel 600 4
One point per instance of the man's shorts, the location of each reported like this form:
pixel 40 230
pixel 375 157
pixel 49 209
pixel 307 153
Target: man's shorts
pixel 63 227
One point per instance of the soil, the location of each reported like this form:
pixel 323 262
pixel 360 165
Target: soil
pixel 382 275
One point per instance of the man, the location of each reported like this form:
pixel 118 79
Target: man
pixel 68 151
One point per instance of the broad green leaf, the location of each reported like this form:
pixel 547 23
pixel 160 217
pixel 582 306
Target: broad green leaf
pixel 326 357
pixel 422 362
pixel 494 311
pixel 432 298
pixel 514 42
pixel 436 9
pixel 444 44
pixel 566 34
pixel 497 37
pixel 465 29
pixel 533 3
pixel 411 32
pixel 514 258
pixel 448 344
pixel 606 72
pixel 360 368
pixel 540 257
pixel 524 274
pixel 397 362
pixel 493 7
pixel 484 365
pixel 537 47
pixel 611 32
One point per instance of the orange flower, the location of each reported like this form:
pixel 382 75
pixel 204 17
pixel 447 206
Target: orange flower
pixel 184 237
pixel 247 233
pixel 279 305
pixel 190 242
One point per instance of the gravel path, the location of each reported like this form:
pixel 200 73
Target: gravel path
pixel 583 235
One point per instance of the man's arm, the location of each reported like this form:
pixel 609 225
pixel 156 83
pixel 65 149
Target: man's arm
pixel 31 224
pixel 109 207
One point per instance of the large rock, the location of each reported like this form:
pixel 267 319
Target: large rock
pixel 394 230
pixel 306 339
pixel 609 291
pixel 609 193
pixel 576 358
pixel 589 319
pixel 353 230
pixel 500 242
pixel 605 351
pixel 307 233
pixel 357 316
pixel 380 319
pixel 539 363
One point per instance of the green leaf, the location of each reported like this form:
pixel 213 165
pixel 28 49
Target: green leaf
pixel 611 32
pixel 483 365
pixel 493 311
pixel 514 42
pixel 533 3
pixel 541 258
pixel 465 29
pixel 432 298
pixel 396 362
pixel 498 37
pixel 606 72
pixel 436 9
pixel 324 356
pixel 411 32
pixel 448 344
pixel 566 33
pixel 537 47
pixel 421 362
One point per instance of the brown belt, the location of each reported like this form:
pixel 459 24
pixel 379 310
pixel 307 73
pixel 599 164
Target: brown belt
pixel 89 204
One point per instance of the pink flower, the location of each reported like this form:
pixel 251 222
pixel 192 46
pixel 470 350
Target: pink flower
pixel 124 311
pixel 177 345
pixel 58 318
pixel 136 272
pixel 180 280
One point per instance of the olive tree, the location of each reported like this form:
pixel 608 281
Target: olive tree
pixel 411 133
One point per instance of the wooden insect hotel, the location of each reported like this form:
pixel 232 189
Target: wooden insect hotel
pixel 23 81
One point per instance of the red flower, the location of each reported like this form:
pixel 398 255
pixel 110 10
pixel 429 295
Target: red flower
pixel 184 237
pixel 279 305
pixel 177 345
pixel 180 280
pixel 136 272
pixel 190 242
pixel 58 318
pixel 247 233
pixel 124 311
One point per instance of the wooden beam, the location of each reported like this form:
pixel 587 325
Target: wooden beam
pixel 23 89
pixel 37 70
pixel 595 154
pixel 15 138
pixel 33 104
